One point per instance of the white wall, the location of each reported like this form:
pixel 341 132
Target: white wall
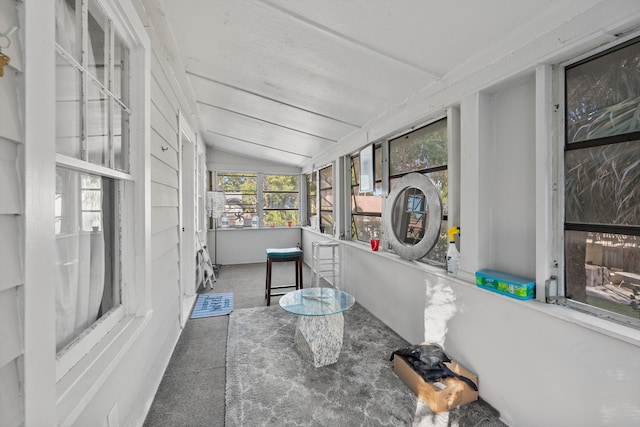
pixel 498 179
pixel 512 172
pixel 248 245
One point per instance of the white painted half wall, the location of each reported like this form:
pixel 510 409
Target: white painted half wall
pixel 248 245
pixel 536 363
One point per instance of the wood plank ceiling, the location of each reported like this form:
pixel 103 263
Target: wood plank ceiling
pixel 286 80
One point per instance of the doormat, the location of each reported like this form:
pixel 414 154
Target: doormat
pixel 208 305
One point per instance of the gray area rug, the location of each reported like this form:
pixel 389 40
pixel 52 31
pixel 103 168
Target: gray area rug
pixel 268 383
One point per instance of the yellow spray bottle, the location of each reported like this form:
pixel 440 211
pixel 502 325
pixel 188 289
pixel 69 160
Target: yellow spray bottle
pixel 453 256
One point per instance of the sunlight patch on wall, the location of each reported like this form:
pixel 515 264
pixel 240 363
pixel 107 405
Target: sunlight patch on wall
pixel 440 308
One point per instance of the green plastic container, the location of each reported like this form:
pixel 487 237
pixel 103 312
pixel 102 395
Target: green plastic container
pixel 506 284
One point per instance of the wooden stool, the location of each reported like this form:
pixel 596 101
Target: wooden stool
pixel 282 255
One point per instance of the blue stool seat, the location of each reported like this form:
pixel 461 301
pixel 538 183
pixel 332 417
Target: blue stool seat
pixel 282 255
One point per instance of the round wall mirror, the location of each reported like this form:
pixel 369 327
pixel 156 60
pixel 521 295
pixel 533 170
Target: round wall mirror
pixel 413 216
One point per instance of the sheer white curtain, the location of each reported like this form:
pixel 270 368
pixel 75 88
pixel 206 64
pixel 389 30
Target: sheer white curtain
pixel 80 241
pixel 80 258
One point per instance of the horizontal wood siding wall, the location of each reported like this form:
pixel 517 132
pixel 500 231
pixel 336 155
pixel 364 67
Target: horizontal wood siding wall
pixel 11 243
pixel 165 254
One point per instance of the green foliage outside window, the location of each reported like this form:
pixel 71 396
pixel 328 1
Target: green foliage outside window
pixel 281 199
pixel 602 172
pixel 421 149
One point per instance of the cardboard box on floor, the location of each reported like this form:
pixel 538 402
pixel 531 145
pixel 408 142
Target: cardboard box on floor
pixel 456 393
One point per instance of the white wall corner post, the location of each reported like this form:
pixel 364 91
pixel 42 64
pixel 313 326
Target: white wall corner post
pixel 39 251
pixel 544 179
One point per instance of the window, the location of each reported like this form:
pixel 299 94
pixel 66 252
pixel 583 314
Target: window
pixel 424 151
pixel 326 199
pixel 275 198
pixel 92 174
pixel 312 193
pixel 366 208
pixel 241 193
pixel 280 195
pixel 601 175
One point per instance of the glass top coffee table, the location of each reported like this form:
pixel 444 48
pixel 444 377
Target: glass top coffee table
pixel 317 301
pixel 320 328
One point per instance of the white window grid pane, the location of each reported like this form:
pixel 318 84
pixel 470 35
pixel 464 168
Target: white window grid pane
pixel 103 141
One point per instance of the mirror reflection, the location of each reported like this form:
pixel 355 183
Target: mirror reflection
pixel 410 216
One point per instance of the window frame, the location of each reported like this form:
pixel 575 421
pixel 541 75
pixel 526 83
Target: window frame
pixel 126 183
pixel 314 176
pixel 556 293
pixel 259 194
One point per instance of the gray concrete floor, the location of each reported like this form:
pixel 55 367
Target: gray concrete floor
pixel 192 390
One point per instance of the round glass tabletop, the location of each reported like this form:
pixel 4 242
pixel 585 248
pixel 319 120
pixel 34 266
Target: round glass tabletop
pixel 316 301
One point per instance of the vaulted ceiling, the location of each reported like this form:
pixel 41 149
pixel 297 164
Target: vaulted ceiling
pixel 286 80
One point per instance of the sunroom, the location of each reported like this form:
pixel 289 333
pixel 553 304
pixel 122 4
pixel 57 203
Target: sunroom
pixel 515 123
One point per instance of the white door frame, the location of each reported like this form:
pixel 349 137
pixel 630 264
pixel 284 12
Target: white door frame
pixel 187 211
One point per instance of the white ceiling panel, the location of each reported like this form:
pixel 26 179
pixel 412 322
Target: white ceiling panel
pixel 284 80
pixel 272 54
pixel 260 107
pixel 260 132
pixel 249 149
pixel 418 32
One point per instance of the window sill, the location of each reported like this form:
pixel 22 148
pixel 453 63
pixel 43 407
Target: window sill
pixel 610 328
pixel 78 386
pixel 397 258
pixel 283 227
pixel 606 327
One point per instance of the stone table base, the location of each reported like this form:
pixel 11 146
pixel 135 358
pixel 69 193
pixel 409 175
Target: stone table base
pixel 319 338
